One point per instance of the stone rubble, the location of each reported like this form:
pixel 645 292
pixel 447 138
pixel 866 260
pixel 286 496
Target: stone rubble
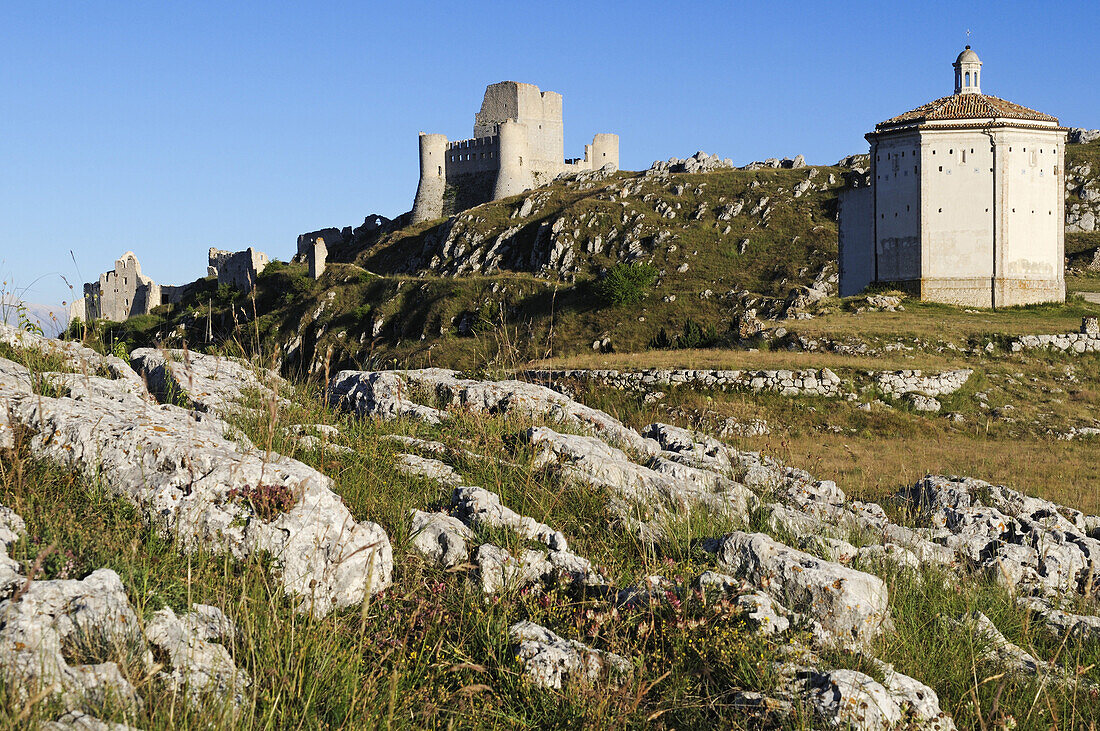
pixel 549 659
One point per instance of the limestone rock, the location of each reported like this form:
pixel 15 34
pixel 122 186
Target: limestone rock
pixel 851 605
pixel 56 614
pixel 550 659
pixel 440 537
pixel 194 485
pixel 482 507
pixel 80 721
pixel 200 667
pixel 668 490
pixel 211 383
pixel 427 468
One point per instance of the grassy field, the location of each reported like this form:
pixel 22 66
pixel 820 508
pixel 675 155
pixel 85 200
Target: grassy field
pixel 432 651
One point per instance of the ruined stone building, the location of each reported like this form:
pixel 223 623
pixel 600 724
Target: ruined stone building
pixel 238 269
pixel 518 144
pixel 119 294
pixel 965 204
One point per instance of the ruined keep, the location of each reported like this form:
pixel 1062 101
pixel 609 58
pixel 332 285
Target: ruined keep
pixel 119 294
pixel 518 144
pixel 966 202
pixel 238 269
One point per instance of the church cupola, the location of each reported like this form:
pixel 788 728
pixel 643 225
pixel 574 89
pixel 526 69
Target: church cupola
pixel 968 70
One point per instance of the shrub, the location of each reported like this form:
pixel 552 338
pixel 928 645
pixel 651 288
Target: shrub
pixel 626 284
pixel 694 335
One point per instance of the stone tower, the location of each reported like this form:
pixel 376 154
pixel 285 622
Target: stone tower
pixel 966 202
pixel 518 144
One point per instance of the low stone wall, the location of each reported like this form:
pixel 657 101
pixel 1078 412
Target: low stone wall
pixel 808 382
pixel 1085 341
pixel 1066 343
pixel 899 383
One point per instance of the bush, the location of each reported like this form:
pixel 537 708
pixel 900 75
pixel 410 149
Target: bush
pixel 626 284
pixel 694 335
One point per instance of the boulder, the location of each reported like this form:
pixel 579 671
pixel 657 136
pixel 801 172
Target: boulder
pixel 550 659
pixel 440 537
pixel 851 605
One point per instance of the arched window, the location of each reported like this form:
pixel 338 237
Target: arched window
pixel 967 79
pixel 440 169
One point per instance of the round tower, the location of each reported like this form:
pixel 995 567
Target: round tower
pixel 968 70
pixel 433 178
pixel 514 175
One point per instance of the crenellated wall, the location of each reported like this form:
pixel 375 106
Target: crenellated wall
pixel 518 142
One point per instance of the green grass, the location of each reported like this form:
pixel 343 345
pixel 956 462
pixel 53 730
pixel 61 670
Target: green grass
pixel 433 651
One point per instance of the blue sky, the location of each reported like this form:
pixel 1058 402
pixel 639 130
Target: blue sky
pixel 167 128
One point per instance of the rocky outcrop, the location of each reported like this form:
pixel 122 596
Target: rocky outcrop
pixel 850 605
pixel 1028 544
pixel 479 506
pixel 645 497
pixel 200 666
pixel 195 485
pixel 441 538
pixel 211 383
pixel 390 394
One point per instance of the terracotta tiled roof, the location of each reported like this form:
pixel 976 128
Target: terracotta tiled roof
pixel 967 106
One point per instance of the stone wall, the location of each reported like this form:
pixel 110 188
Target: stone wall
pixel 1086 341
pixel 237 268
pixel 808 382
pixel 899 383
pixel 119 294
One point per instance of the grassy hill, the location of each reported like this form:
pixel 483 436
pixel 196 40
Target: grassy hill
pixel 517 279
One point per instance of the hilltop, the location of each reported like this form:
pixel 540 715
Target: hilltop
pixel 705 247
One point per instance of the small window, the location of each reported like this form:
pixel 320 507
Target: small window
pixel 440 169
pixel 941 210
pixel 951 151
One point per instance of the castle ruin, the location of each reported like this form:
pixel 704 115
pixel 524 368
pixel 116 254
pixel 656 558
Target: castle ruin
pixel 518 144
pixel 119 294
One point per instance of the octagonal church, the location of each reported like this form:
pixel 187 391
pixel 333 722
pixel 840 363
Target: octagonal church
pixel 966 202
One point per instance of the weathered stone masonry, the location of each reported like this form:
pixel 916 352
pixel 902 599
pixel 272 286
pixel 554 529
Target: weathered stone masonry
pixel 518 144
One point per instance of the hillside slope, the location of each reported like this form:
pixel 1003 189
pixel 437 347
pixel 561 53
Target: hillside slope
pixel 514 279
pixel 519 279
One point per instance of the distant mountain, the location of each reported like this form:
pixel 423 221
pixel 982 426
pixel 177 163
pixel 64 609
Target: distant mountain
pixel 51 318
